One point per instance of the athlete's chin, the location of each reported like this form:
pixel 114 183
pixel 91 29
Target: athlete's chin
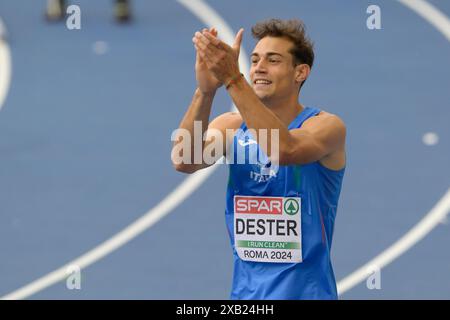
pixel 262 95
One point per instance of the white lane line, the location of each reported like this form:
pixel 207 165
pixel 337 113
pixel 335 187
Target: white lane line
pixel 5 65
pixel 431 14
pixel 439 212
pixel 433 218
pixel 170 202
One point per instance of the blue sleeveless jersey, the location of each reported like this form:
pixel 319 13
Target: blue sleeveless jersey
pixel 318 188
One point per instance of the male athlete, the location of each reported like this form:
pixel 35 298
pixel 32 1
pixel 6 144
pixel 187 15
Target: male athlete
pixel 280 207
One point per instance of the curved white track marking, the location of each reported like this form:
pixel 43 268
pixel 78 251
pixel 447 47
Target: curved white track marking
pixel 431 14
pixel 417 233
pixel 170 202
pixel 440 210
pixel 5 65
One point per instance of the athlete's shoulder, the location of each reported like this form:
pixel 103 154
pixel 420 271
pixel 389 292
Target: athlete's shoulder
pixel 328 115
pixel 228 120
pixel 231 116
pixel 326 119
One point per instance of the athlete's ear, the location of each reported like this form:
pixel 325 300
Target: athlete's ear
pixel 302 72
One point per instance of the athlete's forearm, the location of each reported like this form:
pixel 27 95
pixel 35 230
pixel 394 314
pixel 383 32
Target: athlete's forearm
pixel 257 116
pixel 199 110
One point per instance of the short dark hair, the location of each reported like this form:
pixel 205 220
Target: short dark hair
pixel 295 31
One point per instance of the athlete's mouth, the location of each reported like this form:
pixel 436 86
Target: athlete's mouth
pixel 263 82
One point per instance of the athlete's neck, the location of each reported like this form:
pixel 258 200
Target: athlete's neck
pixel 285 110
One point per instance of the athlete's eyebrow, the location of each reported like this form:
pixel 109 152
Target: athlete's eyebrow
pixel 268 54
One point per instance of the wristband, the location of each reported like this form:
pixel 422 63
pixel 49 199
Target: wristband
pixel 233 80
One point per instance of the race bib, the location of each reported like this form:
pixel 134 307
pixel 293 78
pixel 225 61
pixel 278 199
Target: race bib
pixel 268 229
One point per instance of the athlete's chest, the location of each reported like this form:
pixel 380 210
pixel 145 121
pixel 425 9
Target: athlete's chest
pixel 251 162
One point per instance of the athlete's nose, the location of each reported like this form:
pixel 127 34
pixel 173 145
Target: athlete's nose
pixel 261 67
pixel 258 70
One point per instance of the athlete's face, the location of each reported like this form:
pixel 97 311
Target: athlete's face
pixel 272 71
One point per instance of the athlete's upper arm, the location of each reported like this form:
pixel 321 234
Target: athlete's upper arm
pixel 317 138
pixel 217 129
pixel 213 149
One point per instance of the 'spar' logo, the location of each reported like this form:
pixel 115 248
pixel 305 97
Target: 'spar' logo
pixel 291 206
pixel 258 205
